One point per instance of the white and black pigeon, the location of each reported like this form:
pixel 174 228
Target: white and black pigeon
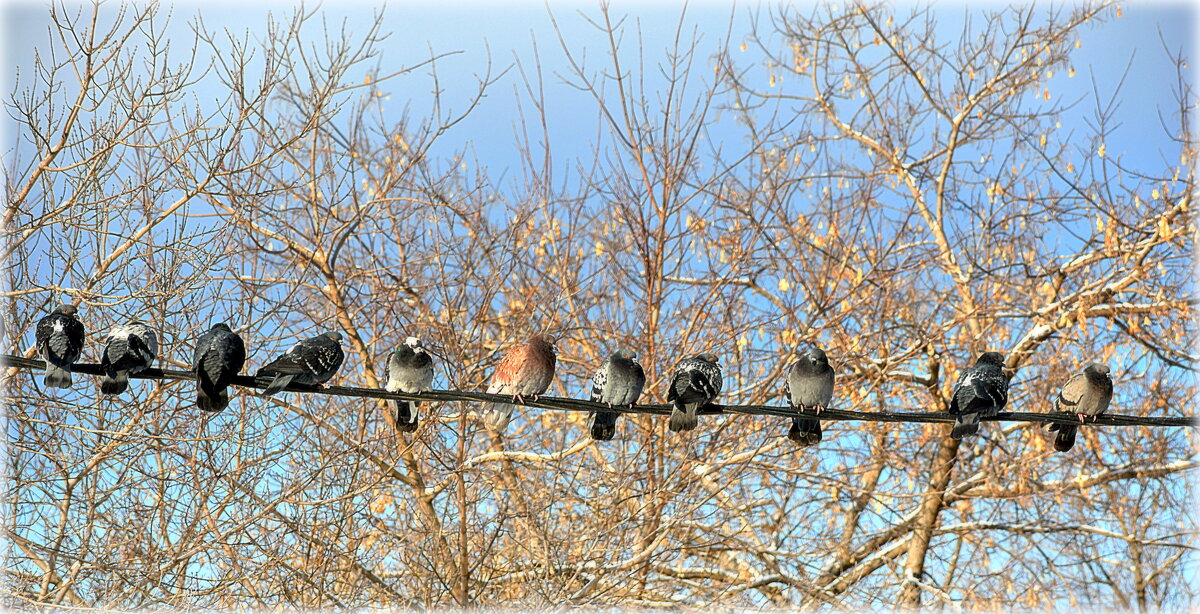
pixel 219 356
pixel 410 369
pixel 1085 394
pixel 310 362
pixel 697 381
pixel 981 391
pixel 59 343
pixel 810 386
pixel 618 382
pixel 129 349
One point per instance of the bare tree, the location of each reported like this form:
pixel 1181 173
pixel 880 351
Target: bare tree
pixel 851 178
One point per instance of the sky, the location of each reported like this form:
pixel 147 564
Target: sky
pixel 505 34
pixel 1132 48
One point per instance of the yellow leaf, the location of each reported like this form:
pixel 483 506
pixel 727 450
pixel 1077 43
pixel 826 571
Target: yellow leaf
pixel 1103 148
pixel 1042 140
pixel 599 248
pixel 743 46
pixel 1070 167
pixel 784 286
pixel 1071 72
pixel 1154 193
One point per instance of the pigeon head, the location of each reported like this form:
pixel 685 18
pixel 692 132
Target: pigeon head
pixel 1097 368
pixel 414 343
pixel 991 358
pixel 333 335
pixel 222 326
pixel 707 357
pixel 625 354
pixel 817 356
pixel 546 340
pixel 66 309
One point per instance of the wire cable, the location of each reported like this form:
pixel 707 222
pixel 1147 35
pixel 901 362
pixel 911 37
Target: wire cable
pixel 565 404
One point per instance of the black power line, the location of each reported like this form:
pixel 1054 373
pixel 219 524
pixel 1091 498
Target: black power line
pixel 565 404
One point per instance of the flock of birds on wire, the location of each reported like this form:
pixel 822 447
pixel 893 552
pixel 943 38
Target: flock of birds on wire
pixel 527 369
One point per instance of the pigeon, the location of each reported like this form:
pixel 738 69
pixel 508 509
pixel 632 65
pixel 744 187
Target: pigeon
pixel 410 369
pixel 810 386
pixel 980 391
pixel 618 382
pixel 696 383
pixel 220 354
pixel 1085 394
pixel 130 349
pixel 525 369
pixel 59 343
pixel 312 361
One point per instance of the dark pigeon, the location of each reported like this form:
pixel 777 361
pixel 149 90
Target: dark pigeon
pixel 618 382
pixel 220 354
pixel 129 349
pixel 310 362
pixel 59 343
pixel 1085 394
pixel 810 386
pixel 410 369
pixel 696 383
pixel 981 391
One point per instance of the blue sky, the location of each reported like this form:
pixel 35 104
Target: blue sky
pixel 508 33
pixel 505 34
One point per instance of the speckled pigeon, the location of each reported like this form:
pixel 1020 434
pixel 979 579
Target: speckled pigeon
pixel 410 369
pixel 312 361
pixel 129 349
pixel 59 343
pixel 525 369
pixel 1085 394
pixel 810 386
pixel 618 382
pixel 980 391
pixel 220 354
pixel 697 381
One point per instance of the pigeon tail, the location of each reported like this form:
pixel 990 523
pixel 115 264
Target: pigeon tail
pixel 114 382
pixel 280 382
pixel 208 401
pixel 965 424
pixel 406 416
pixel 1066 437
pixel 683 416
pixel 805 431
pixel 604 427
pixel 56 376
pixel 498 416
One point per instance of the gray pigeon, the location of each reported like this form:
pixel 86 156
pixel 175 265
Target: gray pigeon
pixel 697 381
pixel 1085 394
pixel 59 342
pixel 618 382
pixel 129 349
pixel 810 386
pixel 410 369
pixel 311 362
pixel 980 391
pixel 220 354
